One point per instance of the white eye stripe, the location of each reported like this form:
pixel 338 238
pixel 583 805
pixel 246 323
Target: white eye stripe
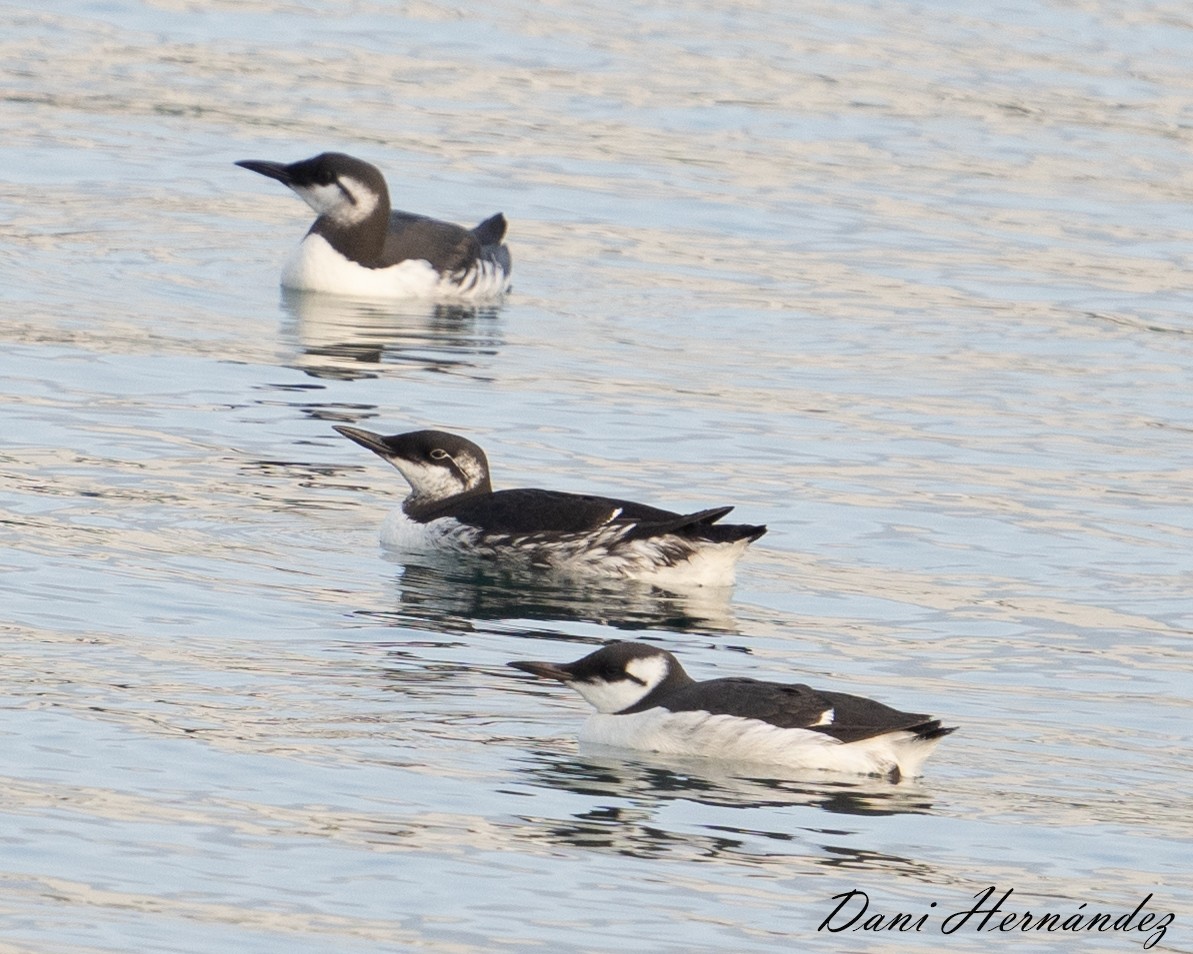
pixel 440 454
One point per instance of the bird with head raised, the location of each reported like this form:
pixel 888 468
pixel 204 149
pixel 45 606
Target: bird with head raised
pixel 452 505
pixel 359 246
pixel 645 700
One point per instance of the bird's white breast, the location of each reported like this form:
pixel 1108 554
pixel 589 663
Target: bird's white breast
pixel 401 533
pixel 316 266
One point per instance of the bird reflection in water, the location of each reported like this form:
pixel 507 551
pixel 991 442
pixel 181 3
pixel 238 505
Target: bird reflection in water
pixel 348 338
pixel 453 593
pixel 667 778
pixel 627 802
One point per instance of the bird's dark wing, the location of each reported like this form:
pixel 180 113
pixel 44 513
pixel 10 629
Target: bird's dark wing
pixel 528 511
pixel 548 511
pixel 855 717
pixel 796 706
pixel 788 706
pixel 700 526
pixel 449 248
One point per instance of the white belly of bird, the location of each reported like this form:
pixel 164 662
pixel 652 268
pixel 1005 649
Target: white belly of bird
pixel 712 564
pixel 729 738
pixel 316 266
pixel 601 553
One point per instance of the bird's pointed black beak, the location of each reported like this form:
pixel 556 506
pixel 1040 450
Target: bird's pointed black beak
pixel 374 442
pixel 546 670
pixel 272 170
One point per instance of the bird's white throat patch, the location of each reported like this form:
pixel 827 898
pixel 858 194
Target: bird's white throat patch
pixel 430 481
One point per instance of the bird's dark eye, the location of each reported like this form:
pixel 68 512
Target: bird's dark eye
pixel 439 454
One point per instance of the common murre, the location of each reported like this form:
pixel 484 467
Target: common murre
pixel 452 505
pixel 645 701
pixel 359 246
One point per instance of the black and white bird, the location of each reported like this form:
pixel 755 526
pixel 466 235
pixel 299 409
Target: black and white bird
pixel 452 505
pixel 359 246
pixel 645 700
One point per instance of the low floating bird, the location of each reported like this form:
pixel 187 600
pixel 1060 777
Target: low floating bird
pixel 358 246
pixel 452 505
pixel 645 701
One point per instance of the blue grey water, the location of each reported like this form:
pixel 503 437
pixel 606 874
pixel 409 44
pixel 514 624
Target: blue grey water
pixel 908 283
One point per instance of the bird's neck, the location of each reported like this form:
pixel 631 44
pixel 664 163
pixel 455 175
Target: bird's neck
pixel 421 507
pixel 676 679
pixel 360 241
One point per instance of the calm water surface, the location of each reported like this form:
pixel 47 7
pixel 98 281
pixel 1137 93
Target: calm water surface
pixel 908 285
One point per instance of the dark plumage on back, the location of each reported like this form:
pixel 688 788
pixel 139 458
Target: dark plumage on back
pixel 535 511
pixel 449 248
pixel 792 706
